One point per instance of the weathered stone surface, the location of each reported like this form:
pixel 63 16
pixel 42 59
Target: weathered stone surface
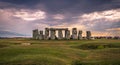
pixel 74 33
pixel 35 34
pixel 41 36
pixel 60 34
pixel 88 34
pixel 52 34
pixel 67 34
pixel 46 33
pixel 80 35
pixel 58 28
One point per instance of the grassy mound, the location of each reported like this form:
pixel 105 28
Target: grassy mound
pixel 92 46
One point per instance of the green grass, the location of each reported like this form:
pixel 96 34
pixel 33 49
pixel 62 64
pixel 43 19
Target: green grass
pixel 58 52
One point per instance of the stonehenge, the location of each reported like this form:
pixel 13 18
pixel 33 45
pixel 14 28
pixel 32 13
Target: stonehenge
pixel 67 34
pixel 74 33
pixel 41 36
pixel 88 34
pixel 50 34
pixel 60 34
pixel 35 34
pixel 80 34
pixel 46 36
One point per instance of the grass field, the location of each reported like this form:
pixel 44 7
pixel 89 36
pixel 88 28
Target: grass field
pixel 59 52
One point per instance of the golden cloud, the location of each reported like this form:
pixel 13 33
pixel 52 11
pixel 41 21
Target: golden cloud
pixel 113 29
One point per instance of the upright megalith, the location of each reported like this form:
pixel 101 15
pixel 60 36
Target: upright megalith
pixel 80 34
pixel 60 34
pixel 52 34
pixel 74 33
pixel 46 37
pixel 67 34
pixel 41 36
pixel 88 34
pixel 35 34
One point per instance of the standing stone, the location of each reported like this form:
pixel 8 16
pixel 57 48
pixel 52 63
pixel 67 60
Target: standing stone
pixel 74 33
pixel 52 36
pixel 41 36
pixel 88 34
pixel 67 34
pixel 46 33
pixel 80 35
pixel 35 34
pixel 60 34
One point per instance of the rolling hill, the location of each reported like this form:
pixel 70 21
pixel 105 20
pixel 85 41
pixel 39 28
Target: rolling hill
pixel 10 34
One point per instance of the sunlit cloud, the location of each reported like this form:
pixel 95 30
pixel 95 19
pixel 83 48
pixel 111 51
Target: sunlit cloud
pixel 100 23
pixel 109 15
pixel 113 29
pixel 58 16
pixel 99 20
pixel 30 16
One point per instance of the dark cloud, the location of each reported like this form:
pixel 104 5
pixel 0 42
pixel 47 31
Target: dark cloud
pixel 67 6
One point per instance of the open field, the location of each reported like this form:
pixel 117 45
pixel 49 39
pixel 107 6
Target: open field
pixel 59 52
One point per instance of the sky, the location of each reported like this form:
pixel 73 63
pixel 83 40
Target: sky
pixel 101 17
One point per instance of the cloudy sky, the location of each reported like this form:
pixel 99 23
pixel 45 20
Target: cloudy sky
pixel 102 17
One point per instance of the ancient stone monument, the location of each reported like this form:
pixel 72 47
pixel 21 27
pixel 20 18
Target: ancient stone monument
pixel 80 35
pixel 53 33
pixel 35 34
pixel 41 36
pixel 46 36
pixel 50 33
pixel 88 34
pixel 74 33
pixel 67 34
pixel 60 34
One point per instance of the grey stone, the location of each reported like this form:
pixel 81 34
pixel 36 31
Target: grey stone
pixel 74 33
pixel 41 36
pixel 60 34
pixel 58 28
pixel 52 34
pixel 35 34
pixel 88 34
pixel 80 35
pixel 46 33
pixel 67 34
